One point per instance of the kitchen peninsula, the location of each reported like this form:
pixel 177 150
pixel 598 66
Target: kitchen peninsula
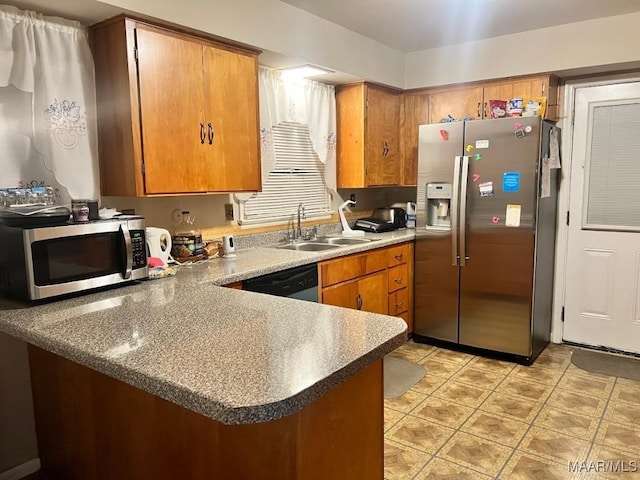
pixel 182 378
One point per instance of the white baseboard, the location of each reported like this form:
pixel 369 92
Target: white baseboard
pixel 21 471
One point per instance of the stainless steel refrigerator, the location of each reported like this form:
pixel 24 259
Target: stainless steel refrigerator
pixel 485 235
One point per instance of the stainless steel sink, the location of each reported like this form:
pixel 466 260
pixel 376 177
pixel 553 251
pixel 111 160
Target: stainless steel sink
pixel 344 240
pixel 309 246
pixel 326 243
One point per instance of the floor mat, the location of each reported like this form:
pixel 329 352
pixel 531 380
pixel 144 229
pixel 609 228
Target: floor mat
pixel 400 375
pixel 606 363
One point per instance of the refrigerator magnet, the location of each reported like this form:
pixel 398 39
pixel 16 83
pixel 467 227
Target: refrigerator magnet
pixel 444 134
pixel 513 215
pixel 469 147
pixel 511 182
pixel 495 220
pixel 486 190
pixel 482 143
pixel 478 156
pixel 476 177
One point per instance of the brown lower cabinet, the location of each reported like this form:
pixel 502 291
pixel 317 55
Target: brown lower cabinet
pixel 362 294
pixel 378 281
pixel 94 427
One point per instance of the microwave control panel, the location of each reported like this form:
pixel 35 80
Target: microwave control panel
pixel 139 248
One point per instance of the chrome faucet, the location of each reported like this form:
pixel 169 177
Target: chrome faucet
pixel 298 234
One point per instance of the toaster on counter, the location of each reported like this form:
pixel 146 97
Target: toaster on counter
pixel 382 220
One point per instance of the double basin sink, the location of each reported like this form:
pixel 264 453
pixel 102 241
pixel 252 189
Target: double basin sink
pixel 325 243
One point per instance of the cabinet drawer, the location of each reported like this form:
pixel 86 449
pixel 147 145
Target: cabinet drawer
pixel 398 254
pixel 398 302
pixel 353 266
pixel 398 277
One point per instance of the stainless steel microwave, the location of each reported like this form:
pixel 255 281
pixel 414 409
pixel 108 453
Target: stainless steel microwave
pixel 43 262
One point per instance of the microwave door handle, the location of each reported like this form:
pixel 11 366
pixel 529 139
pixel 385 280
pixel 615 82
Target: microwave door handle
pixel 126 235
pixel 454 211
pixel 463 211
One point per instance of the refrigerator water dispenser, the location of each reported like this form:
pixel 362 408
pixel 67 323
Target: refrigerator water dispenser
pixel 438 206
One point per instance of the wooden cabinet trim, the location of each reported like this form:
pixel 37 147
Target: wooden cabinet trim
pixel 182 31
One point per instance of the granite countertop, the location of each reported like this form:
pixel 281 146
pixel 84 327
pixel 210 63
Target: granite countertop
pixel 231 355
pixel 253 262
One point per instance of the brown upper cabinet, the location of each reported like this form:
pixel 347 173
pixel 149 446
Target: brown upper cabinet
pixel 414 112
pixel 368 136
pixel 473 101
pixel 176 113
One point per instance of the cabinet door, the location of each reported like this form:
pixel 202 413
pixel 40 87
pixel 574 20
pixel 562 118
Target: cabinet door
pixel 231 112
pixel 502 91
pixel 373 293
pixel 381 133
pixel 368 294
pixel 342 295
pixel 171 99
pixel 458 103
pixel 415 112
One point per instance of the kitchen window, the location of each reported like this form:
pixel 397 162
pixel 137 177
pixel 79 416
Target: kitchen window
pixel 297 119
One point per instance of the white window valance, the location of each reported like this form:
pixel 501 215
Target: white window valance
pixel 298 101
pixel 298 150
pixel 47 128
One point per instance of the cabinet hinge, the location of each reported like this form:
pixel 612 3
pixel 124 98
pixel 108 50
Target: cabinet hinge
pixel 366 103
pixel 543 85
pixel 567 217
pixel 135 53
pixel 143 169
pixel 562 314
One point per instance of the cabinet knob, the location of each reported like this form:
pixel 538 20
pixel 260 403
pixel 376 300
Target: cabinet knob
pixel 398 257
pixel 359 302
pixel 202 134
pixel 398 280
pixel 399 305
pixel 484 111
pixel 478 109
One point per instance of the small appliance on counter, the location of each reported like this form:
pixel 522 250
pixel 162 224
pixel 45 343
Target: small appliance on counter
pixel 43 262
pixel 31 207
pixel 158 243
pixel 382 220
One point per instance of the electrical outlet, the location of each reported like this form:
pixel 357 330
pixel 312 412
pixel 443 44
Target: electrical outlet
pixel 228 211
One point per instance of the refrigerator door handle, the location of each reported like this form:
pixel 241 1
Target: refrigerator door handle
pixel 463 210
pixel 455 197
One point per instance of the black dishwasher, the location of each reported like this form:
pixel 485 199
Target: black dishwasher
pixel 298 282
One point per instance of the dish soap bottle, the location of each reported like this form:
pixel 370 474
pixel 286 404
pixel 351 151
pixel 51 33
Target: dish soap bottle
pixel 186 242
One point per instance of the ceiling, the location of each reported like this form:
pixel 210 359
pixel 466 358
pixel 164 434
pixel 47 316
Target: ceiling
pixel 411 25
pixel 405 25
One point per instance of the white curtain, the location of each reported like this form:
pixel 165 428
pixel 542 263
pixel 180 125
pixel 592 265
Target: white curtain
pixel 47 104
pixel 298 101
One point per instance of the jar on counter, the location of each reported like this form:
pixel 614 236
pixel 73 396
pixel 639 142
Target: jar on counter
pixel 80 212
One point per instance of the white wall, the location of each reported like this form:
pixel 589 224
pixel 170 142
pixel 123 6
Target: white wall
pixel 276 26
pixel 610 42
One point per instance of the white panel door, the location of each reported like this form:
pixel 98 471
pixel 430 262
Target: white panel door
pixel 602 296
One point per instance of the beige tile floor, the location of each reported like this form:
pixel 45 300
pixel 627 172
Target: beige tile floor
pixel 477 418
